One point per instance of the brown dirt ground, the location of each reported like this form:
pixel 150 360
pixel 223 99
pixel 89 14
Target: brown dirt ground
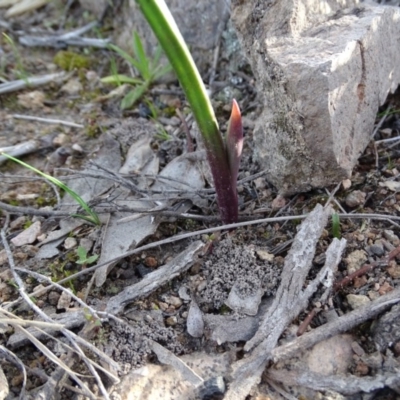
pixel 369 240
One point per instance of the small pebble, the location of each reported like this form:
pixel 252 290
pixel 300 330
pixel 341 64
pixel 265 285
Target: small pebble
pixel 64 301
pixel 259 183
pixel 183 293
pixel 385 288
pixel 163 306
pixel 389 235
pixel 76 147
pixel 150 262
pixel 213 387
pixel 37 288
pixel 264 255
pixel 142 270
pixel 201 286
pixel 357 349
pixel 356 198
pixel 70 243
pixel 394 269
pixel 362 369
pixel 72 87
pixel 171 321
pixel 174 301
pixel 377 250
pixel 53 297
pixel 355 260
pixel 60 140
pixel 346 184
pixel 357 300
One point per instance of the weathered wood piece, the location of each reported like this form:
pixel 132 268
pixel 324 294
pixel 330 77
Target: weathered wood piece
pixel 290 300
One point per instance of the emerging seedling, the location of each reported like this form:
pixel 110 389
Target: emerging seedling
pixel 223 155
pixel 91 217
pixel 149 70
pixel 83 259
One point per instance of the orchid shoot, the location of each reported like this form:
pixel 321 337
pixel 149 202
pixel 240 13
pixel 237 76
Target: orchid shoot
pixel 223 155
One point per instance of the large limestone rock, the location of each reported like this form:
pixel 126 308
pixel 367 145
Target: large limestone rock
pixel 323 67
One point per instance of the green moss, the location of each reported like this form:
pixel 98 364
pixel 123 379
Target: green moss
pixel 27 224
pixel 68 60
pixel 42 201
pixel 92 131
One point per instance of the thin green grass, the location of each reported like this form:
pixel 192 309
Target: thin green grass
pixel 92 217
pixel 148 70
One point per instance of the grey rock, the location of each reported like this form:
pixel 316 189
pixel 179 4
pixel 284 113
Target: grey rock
pixel 322 72
pixel 212 387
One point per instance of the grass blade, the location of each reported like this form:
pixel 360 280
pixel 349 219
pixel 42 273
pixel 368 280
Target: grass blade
pixel 142 61
pixel 133 96
pixel 92 217
pixel 118 79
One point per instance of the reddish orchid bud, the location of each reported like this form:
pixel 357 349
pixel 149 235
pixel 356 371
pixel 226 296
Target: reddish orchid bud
pixel 234 141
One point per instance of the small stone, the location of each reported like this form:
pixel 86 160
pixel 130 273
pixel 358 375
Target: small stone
pixel 373 295
pixel 264 255
pixel 194 321
pixel 356 198
pixel 355 260
pixel 278 203
pixel 39 288
pixel 171 321
pixel 60 140
pixel 389 235
pixel 357 300
pixel 201 286
pixel 40 303
pixel 32 100
pixel 361 369
pixel 360 281
pixel 346 184
pixel 70 243
pixel 377 250
pixel 394 269
pixel 385 288
pixel 183 293
pixel 214 387
pixel 53 297
pixel 162 305
pixel 72 87
pixel 64 300
pixel 151 262
pixel 41 237
pixel 357 349
pixel 174 301
pixel 259 183
pixel 28 236
pixel 142 270
pixel 76 147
